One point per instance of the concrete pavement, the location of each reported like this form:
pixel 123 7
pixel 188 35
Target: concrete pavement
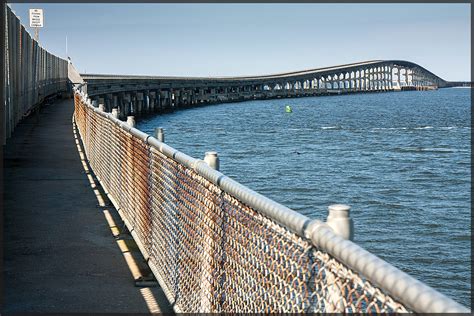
pixel 60 253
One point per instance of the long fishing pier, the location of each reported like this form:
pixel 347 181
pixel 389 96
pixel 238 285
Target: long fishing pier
pixel 210 243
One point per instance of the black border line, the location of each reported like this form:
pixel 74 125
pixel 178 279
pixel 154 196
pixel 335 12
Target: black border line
pixel 245 1
pixel 2 125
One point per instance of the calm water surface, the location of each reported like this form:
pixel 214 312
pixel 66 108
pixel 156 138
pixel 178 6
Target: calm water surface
pixel 401 160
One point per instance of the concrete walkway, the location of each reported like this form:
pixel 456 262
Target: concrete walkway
pixel 60 253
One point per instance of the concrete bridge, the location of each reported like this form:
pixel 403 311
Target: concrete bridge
pixel 133 95
pixel 88 195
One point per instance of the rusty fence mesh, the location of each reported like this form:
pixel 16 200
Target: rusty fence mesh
pixel 209 251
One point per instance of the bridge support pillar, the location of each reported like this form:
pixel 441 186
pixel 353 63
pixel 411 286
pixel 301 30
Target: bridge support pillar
pixel 151 101
pixel 200 96
pixel 193 97
pixel 108 102
pixel 366 80
pixel 128 105
pixel 398 76
pixel 372 80
pixel 133 104
pixel 213 96
pixel 381 79
pixel 167 101
pixel 384 76
pixel 177 98
pixel 158 102
pixel 389 78
pixel 121 105
pixel 363 82
pixel 369 80
pixel 146 101
pixel 139 102
pixel 182 98
pixel 377 80
pixel 185 98
pixel 369 84
pixel 163 101
pixel 172 99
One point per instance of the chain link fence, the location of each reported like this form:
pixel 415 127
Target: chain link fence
pixel 211 251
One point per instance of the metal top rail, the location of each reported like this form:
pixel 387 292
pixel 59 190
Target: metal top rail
pixel 414 294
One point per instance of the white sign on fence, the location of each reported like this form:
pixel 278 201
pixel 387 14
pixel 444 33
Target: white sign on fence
pixel 36 17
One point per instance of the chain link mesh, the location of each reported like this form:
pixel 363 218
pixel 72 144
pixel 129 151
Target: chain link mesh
pixel 211 252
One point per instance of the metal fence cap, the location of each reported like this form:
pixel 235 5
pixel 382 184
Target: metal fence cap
pixel 339 207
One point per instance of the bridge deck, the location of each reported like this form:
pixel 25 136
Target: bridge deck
pixel 59 252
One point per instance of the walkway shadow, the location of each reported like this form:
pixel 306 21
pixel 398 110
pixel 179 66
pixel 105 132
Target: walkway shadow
pixel 60 255
pixel 153 295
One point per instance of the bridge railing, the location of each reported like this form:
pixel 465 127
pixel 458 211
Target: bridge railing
pixel 30 73
pixel 214 245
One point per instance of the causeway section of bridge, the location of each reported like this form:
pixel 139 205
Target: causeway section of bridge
pixel 32 74
pixel 134 95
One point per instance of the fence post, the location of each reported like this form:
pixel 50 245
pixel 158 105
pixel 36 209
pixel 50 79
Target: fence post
pixel 101 107
pixel 131 121
pixel 339 220
pixel 160 134
pixel 212 160
pixel 115 113
pixel 209 248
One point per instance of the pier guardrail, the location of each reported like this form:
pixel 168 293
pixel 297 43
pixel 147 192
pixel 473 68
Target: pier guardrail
pixel 214 245
pixel 31 73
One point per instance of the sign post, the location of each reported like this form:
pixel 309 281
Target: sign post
pixel 36 21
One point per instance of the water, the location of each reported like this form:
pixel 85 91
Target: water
pixel 400 159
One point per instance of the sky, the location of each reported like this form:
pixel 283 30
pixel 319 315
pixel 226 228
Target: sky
pixel 253 39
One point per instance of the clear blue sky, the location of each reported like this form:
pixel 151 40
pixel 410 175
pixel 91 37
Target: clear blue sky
pixel 246 39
